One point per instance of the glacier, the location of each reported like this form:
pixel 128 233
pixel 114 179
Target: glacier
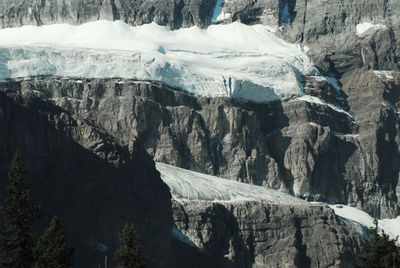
pixel 186 185
pixel 352 214
pixel 234 60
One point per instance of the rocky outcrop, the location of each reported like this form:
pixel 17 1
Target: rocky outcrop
pixel 96 177
pixel 87 178
pixel 328 29
pixel 308 148
pixel 266 234
pixel 174 13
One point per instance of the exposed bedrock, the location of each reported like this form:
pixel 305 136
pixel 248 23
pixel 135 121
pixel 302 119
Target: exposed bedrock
pixel 266 234
pixel 305 147
pixel 173 13
pixel 328 29
pixel 85 177
pixel 95 175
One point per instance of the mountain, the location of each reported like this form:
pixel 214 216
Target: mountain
pixel 295 96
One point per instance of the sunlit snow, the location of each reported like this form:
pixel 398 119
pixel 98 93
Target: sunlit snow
pixel 188 185
pixel 388 75
pixel 312 99
pixel 366 26
pixel 237 60
pixel 390 226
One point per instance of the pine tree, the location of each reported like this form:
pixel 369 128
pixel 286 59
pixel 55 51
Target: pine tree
pixel 129 255
pixel 379 252
pixel 52 251
pixel 18 212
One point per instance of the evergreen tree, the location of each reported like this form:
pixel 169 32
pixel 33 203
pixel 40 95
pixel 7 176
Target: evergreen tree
pixel 129 255
pixel 378 252
pixel 52 251
pixel 18 212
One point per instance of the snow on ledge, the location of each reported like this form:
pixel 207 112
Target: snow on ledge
pixel 364 27
pixel 388 75
pixel 315 100
pixel 390 226
pixel 186 185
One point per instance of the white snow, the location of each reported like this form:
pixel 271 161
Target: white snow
pixel 260 66
pixel 219 15
pixel 312 99
pixel 390 226
pixel 187 185
pixel 364 27
pixel 388 75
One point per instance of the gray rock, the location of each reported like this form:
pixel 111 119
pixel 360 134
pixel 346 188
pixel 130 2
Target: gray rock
pixel 265 234
pixel 174 13
pixel 328 29
pixel 85 177
pixel 307 149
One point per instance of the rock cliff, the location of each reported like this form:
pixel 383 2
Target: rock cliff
pixel 84 176
pixel 329 29
pixel 83 142
pixel 264 234
pixel 311 149
pixel 174 13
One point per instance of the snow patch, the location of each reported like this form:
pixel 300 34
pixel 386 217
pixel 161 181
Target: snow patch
pixel 260 66
pixel 186 185
pixel 312 99
pixel 365 27
pixel 387 75
pixel 390 226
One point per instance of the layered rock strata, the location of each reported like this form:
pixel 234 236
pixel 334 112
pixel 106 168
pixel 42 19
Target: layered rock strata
pixel 266 234
pixel 173 13
pixel 306 147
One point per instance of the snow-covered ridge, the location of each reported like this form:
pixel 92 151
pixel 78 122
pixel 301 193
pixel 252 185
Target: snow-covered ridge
pixel 237 60
pixel 187 185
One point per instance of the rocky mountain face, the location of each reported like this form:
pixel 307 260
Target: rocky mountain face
pixel 328 29
pixel 245 234
pixel 174 13
pixel 86 177
pixel 102 133
pixel 83 144
pixel 312 150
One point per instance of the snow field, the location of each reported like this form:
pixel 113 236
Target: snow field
pixel 246 62
pixel 186 185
